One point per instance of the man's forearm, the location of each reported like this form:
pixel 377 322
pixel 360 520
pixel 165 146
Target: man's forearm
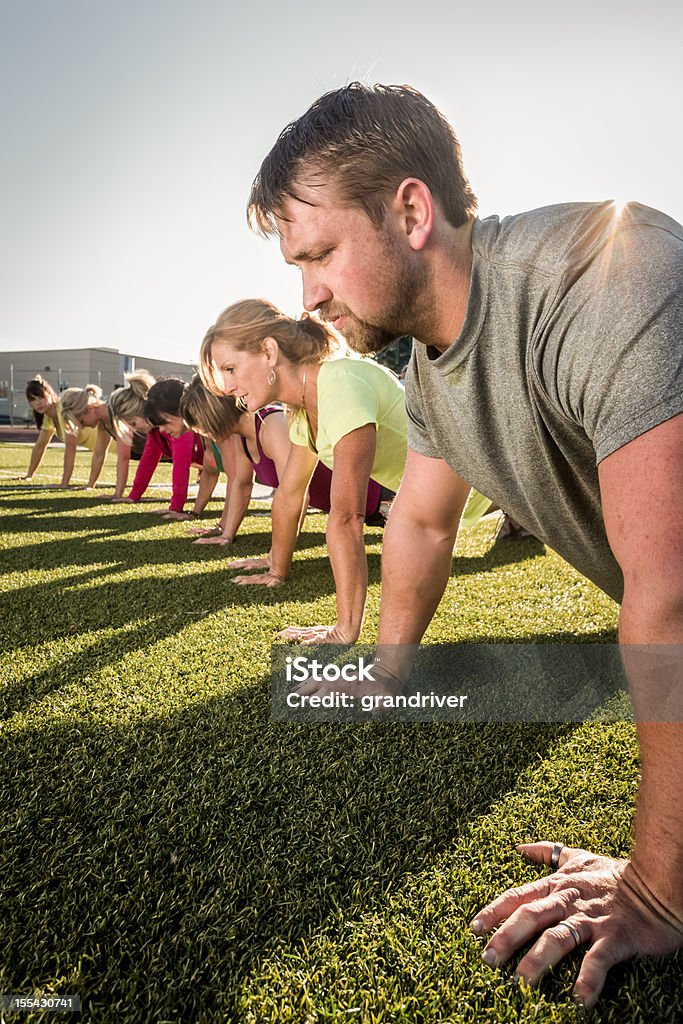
pixel 652 652
pixel 416 565
pixel 346 549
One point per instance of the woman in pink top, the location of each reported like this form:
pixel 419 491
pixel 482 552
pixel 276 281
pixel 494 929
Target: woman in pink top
pixel 252 446
pixel 167 435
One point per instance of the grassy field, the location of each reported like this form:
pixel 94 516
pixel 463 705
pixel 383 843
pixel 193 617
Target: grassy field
pixel 169 854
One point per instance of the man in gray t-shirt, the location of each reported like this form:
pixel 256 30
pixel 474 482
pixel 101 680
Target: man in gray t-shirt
pixel 547 373
pixel 559 363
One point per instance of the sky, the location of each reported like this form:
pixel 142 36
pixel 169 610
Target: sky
pixel 132 129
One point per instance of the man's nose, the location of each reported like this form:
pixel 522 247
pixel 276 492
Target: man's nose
pixel 316 291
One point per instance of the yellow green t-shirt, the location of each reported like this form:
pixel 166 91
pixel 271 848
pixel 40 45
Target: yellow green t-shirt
pixel 477 506
pixel 87 436
pixel 351 394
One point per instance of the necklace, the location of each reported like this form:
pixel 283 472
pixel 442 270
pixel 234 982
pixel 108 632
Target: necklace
pixel 303 392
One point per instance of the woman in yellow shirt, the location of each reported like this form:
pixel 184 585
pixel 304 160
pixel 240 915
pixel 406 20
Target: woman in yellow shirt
pixel 85 407
pixel 47 413
pixel 348 413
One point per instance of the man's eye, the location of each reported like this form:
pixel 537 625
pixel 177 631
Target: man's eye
pixel 323 256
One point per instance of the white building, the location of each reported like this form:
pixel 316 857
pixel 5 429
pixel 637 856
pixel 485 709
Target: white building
pixel 72 367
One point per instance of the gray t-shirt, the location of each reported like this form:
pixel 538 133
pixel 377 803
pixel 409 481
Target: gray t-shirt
pixel 572 346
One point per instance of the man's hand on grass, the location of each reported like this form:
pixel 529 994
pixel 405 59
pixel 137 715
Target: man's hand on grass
pixel 593 894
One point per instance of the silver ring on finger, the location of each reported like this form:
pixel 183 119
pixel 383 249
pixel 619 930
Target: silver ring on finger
pixel 573 931
pixel 555 856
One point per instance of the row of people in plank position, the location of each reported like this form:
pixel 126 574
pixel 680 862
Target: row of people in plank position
pixel 340 447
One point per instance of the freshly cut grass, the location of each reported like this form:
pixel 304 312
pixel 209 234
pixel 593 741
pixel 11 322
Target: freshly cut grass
pixel 169 854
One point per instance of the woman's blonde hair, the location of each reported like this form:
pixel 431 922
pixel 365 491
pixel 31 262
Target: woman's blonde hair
pixel 75 402
pixel 245 325
pixel 128 402
pixel 213 415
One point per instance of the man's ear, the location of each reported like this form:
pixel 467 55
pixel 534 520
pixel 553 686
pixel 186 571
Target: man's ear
pixel 414 205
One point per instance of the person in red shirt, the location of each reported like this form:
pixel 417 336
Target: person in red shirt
pixel 168 436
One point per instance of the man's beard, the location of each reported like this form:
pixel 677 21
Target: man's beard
pixel 366 338
pixel 400 315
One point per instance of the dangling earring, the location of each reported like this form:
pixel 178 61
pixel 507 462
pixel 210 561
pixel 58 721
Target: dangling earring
pixel 272 376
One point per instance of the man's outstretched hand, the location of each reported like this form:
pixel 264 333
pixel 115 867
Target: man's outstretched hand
pixel 597 897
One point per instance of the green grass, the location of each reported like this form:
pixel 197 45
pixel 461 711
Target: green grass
pixel 170 854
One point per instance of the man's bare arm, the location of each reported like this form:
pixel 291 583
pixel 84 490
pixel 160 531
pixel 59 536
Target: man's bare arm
pixel 619 908
pixel 417 555
pixel 641 486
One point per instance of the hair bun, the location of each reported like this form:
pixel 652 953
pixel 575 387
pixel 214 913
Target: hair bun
pixel 313 326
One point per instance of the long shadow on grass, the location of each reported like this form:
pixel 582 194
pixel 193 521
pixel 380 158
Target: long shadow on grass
pixel 506 552
pixel 143 611
pixel 131 551
pixel 51 504
pixel 152 866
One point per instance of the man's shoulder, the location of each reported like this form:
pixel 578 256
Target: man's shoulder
pixel 552 237
pixel 540 237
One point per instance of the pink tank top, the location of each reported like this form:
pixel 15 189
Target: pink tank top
pixel 321 481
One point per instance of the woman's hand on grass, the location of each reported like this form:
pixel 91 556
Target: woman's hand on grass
pixel 259 579
pixel 204 531
pixel 591 893
pixel 213 539
pixel 310 635
pixel 249 563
